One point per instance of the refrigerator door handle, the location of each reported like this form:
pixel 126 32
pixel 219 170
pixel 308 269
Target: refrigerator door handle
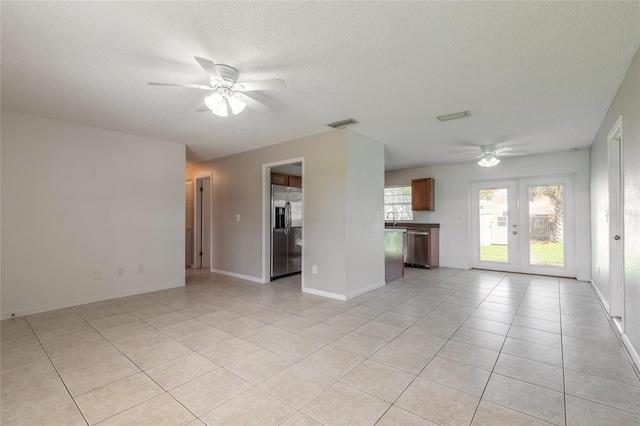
pixel 287 218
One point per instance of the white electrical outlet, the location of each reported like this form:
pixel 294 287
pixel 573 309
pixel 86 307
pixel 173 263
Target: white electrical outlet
pixel 314 269
pixel 121 272
pixel 141 269
pixel 97 274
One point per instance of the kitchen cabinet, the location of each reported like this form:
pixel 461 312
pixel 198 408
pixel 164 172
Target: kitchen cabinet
pixel 286 180
pixel 433 254
pixel 423 194
pixel 295 181
pixel 279 179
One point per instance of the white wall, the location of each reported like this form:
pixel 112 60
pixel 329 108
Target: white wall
pixel 626 104
pixel 365 209
pixel 76 200
pixel 238 189
pixel 452 199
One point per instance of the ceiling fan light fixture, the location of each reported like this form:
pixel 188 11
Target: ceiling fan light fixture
pixel 488 161
pixel 217 104
pixel 237 106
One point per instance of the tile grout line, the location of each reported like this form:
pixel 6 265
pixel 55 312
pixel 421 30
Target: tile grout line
pixel 57 372
pixel 564 378
pixel 436 354
pixel 500 352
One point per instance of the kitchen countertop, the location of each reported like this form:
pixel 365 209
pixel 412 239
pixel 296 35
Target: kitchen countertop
pixel 411 225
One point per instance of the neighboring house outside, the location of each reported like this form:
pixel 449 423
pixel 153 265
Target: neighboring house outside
pixel 494 220
pixel 493 223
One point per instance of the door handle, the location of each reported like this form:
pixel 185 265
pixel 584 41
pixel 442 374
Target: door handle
pixel 617 237
pixel 287 218
pixel 515 232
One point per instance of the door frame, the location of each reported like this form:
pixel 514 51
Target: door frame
pixel 266 217
pixel 616 224
pixel 521 248
pixel 196 223
pixel 189 232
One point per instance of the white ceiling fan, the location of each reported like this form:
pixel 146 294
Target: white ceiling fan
pixel 489 154
pixel 228 97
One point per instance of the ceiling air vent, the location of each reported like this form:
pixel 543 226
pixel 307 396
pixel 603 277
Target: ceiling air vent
pixel 343 123
pixel 448 117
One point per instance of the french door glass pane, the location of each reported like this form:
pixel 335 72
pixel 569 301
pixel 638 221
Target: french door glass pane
pixel 546 233
pixel 494 225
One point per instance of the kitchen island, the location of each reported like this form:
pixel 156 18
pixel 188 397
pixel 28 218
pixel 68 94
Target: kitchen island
pixel 431 251
pixel 394 253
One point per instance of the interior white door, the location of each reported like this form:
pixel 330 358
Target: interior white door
pixel 616 229
pixel 524 225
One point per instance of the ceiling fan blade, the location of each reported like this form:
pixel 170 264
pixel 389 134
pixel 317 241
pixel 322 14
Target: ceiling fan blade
pixel 210 68
pixel 193 86
pixel 501 150
pixel 252 103
pixel 248 86
pixel 511 154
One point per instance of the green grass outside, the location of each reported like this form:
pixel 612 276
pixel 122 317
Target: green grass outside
pixel 542 253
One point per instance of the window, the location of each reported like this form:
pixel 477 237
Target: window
pixel 501 221
pixel 397 199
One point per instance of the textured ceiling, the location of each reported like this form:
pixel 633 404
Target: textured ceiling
pixel 538 76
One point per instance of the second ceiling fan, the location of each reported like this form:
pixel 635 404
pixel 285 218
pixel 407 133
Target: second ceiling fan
pixel 489 154
pixel 228 97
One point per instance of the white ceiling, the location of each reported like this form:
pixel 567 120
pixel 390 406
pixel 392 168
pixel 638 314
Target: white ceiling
pixel 535 75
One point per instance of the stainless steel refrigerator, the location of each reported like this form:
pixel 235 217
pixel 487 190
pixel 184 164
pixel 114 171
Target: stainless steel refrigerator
pixel 286 230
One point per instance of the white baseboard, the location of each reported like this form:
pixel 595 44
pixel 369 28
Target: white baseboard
pixel 343 297
pixel 604 302
pixel 83 301
pixel 631 349
pixel 244 277
pixel 325 294
pixel 625 339
pixel 366 290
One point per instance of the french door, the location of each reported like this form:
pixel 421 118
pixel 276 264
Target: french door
pixel 524 225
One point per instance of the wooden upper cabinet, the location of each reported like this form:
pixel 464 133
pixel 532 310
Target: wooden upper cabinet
pixel 423 194
pixel 295 181
pixel 286 180
pixel 279 179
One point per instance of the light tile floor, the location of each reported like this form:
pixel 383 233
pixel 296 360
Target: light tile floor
pixel 437 347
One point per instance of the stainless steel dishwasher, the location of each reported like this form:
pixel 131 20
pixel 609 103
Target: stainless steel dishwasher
pixel 417 246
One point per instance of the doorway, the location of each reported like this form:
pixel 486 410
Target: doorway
pixel 189 244
pixel 524 225
pixel 202 223
pixel 616 247
pixel 283 222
